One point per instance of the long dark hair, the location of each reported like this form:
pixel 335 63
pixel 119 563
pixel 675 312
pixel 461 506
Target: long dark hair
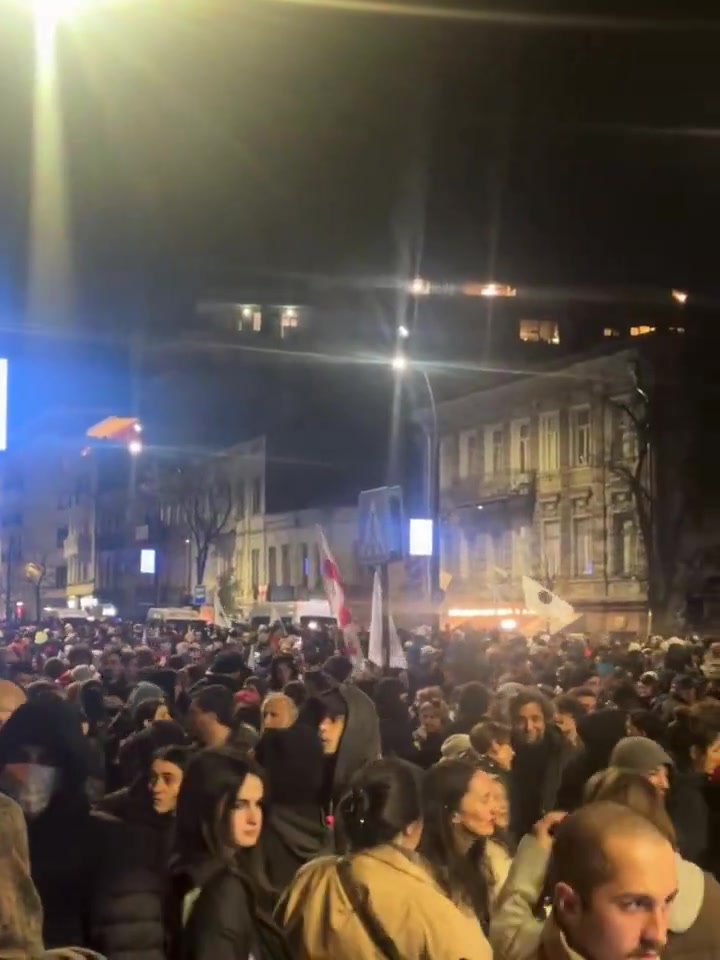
pixel 205 803
pixel 384 799
pixel 463 876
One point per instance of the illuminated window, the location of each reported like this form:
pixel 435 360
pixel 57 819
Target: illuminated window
pixel 539 331
pixel 641 331
pixel 580 437
pixel 257 321
pixel 611 332
pixel 288 320
pixel 677 329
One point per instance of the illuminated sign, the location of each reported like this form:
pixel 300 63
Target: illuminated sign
pixel 421 538
pixel 147 561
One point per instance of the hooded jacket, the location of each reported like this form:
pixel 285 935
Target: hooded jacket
pixel 291 837
pixel 517 934
pixel 360 741
pixel 321 923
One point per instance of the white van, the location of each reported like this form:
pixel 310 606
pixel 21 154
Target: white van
pixel 177 618
pixel 304 613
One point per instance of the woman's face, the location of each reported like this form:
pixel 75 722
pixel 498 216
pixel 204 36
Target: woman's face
pixel 501 805
pixel 165 782
pixel 477 808
pixel 712 757
pixel 431 718
pixel 247 815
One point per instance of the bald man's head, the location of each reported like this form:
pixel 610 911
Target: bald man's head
pixel 613 878
pixel 11 697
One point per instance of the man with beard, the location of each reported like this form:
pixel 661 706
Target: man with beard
pixel 541 755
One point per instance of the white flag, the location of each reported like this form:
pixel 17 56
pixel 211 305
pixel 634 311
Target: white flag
pixel 219 616
pixel 376 653
pixel 547 605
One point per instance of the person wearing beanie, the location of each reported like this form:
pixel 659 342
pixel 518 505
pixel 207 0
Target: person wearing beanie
pixel 295 831
pixel 644 756
pixel 144 691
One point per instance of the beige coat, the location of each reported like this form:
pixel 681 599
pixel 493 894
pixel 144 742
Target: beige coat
pixel 423 923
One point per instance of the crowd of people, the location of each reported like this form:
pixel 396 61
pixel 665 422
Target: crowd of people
pixel 239 796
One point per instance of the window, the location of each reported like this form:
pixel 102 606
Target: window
pixel 304 565
pixel 285 571
pixel 256 496
pixel 288 320
pixel 240 501
pixel 61 578
pixel 611 332
pixel 272 566
pixel 624 545
pixel 468 453
pixel 494 450
pixel 521 446
pixel 641 331
pixel 676 329
pixel 550 442
pixel 625 437
pixel 550 566
pixel 448 463
pixel 255 569
pixel 539 331
pixel 62 534
pixel 580 437
pixel 582 547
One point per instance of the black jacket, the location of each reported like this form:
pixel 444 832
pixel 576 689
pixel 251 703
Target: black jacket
pixel 689 813
pixel 599 732
pixel 535 780
pixel 291 837
pixel 224 922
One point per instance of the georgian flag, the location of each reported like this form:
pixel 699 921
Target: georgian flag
pixel 547 605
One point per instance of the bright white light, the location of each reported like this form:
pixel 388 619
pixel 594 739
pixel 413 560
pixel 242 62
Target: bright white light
pixel 247 312
pixel 421 537
pixel 188 542
pixel 419 287
pixel 399 363
pixel 403 332
pixel 312 625
pixel 147 561
pixel 508 624
pixel 480 506
pixel 679 296
pixel 135 448
pixel 137 427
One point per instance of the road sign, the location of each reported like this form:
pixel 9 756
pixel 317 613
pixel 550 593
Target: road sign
pixel 199 595
pixel 380 515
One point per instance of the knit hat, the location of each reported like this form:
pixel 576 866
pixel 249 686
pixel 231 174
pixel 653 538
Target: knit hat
pixel 456 746
pixel 144 691
pixel 640 754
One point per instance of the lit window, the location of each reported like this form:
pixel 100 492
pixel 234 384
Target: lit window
pixel 580 437
pixel 288 320
pixel 257 321
pixel 611 332
pixel 539 331
pixel 677 329
pixel 641 331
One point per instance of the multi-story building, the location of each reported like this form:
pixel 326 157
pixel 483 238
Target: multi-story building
pixel 530 485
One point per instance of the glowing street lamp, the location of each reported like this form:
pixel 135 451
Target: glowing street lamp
pixel 399 363
pixel 135 448
pixel 679 296
pixel 419 287
pixel 403 332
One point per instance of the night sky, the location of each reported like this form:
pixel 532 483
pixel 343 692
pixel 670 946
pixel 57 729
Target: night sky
pixel 208 141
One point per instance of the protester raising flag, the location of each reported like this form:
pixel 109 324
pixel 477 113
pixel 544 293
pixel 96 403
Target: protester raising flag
pixel 335 593
pixel 546 605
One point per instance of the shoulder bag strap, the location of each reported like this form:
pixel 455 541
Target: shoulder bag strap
pixel 370 922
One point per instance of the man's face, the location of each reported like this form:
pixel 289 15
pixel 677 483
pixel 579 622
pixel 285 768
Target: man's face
pixel 626 918
pixel 165 781
pixel 331 731
pixel 284 672
pixel 566 725
pixel 593 683
pixel 277 714
pixel 529 723
pixel 589 702
pixel 114 666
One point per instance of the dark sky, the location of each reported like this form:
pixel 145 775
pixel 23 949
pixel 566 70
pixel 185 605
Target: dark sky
pixel 207 140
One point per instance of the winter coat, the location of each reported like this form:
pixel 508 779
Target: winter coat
pixel 321 923
pixel 214 916
pixel 535 779
pixel 599 733
pixel 291 837
pixel 396 737
pixel 20 907
pixel 517 934
pixel 689 813
pixel 127 921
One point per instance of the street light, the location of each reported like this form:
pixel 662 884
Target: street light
pixel 399 363
pixel 135 448
pixel 419 287
pixel 403 332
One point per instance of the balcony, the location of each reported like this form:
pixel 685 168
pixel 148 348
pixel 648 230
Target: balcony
pixel 480 491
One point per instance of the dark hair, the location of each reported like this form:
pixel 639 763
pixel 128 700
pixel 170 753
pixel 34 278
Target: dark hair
pixel 462 876
pixel 80 656
pixel 578 692
pixel 625 696
pixel 648 723
pixel 176 662
pixel 257 683
pixel 570 705
pixel 92 701
pixel 687 731
pixel 334 704
pixel 383 799
pixel 39 689
pixel 528 696
pixel 179 756
pixel 473 701
pixel 338 667
pixel 205 803
pixel 145 711
pixel 216 699
pixel 54 668
pixel 484 735
pixel 388 700
pixel 296 691
pixel 229 663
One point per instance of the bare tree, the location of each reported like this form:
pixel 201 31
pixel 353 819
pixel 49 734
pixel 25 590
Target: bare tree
pixel 657 460
pixel 204 494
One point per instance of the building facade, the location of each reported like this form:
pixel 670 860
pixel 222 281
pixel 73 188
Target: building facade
pixel 530 484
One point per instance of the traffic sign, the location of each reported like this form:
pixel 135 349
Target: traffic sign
pixel 380 516
pixel 199 595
